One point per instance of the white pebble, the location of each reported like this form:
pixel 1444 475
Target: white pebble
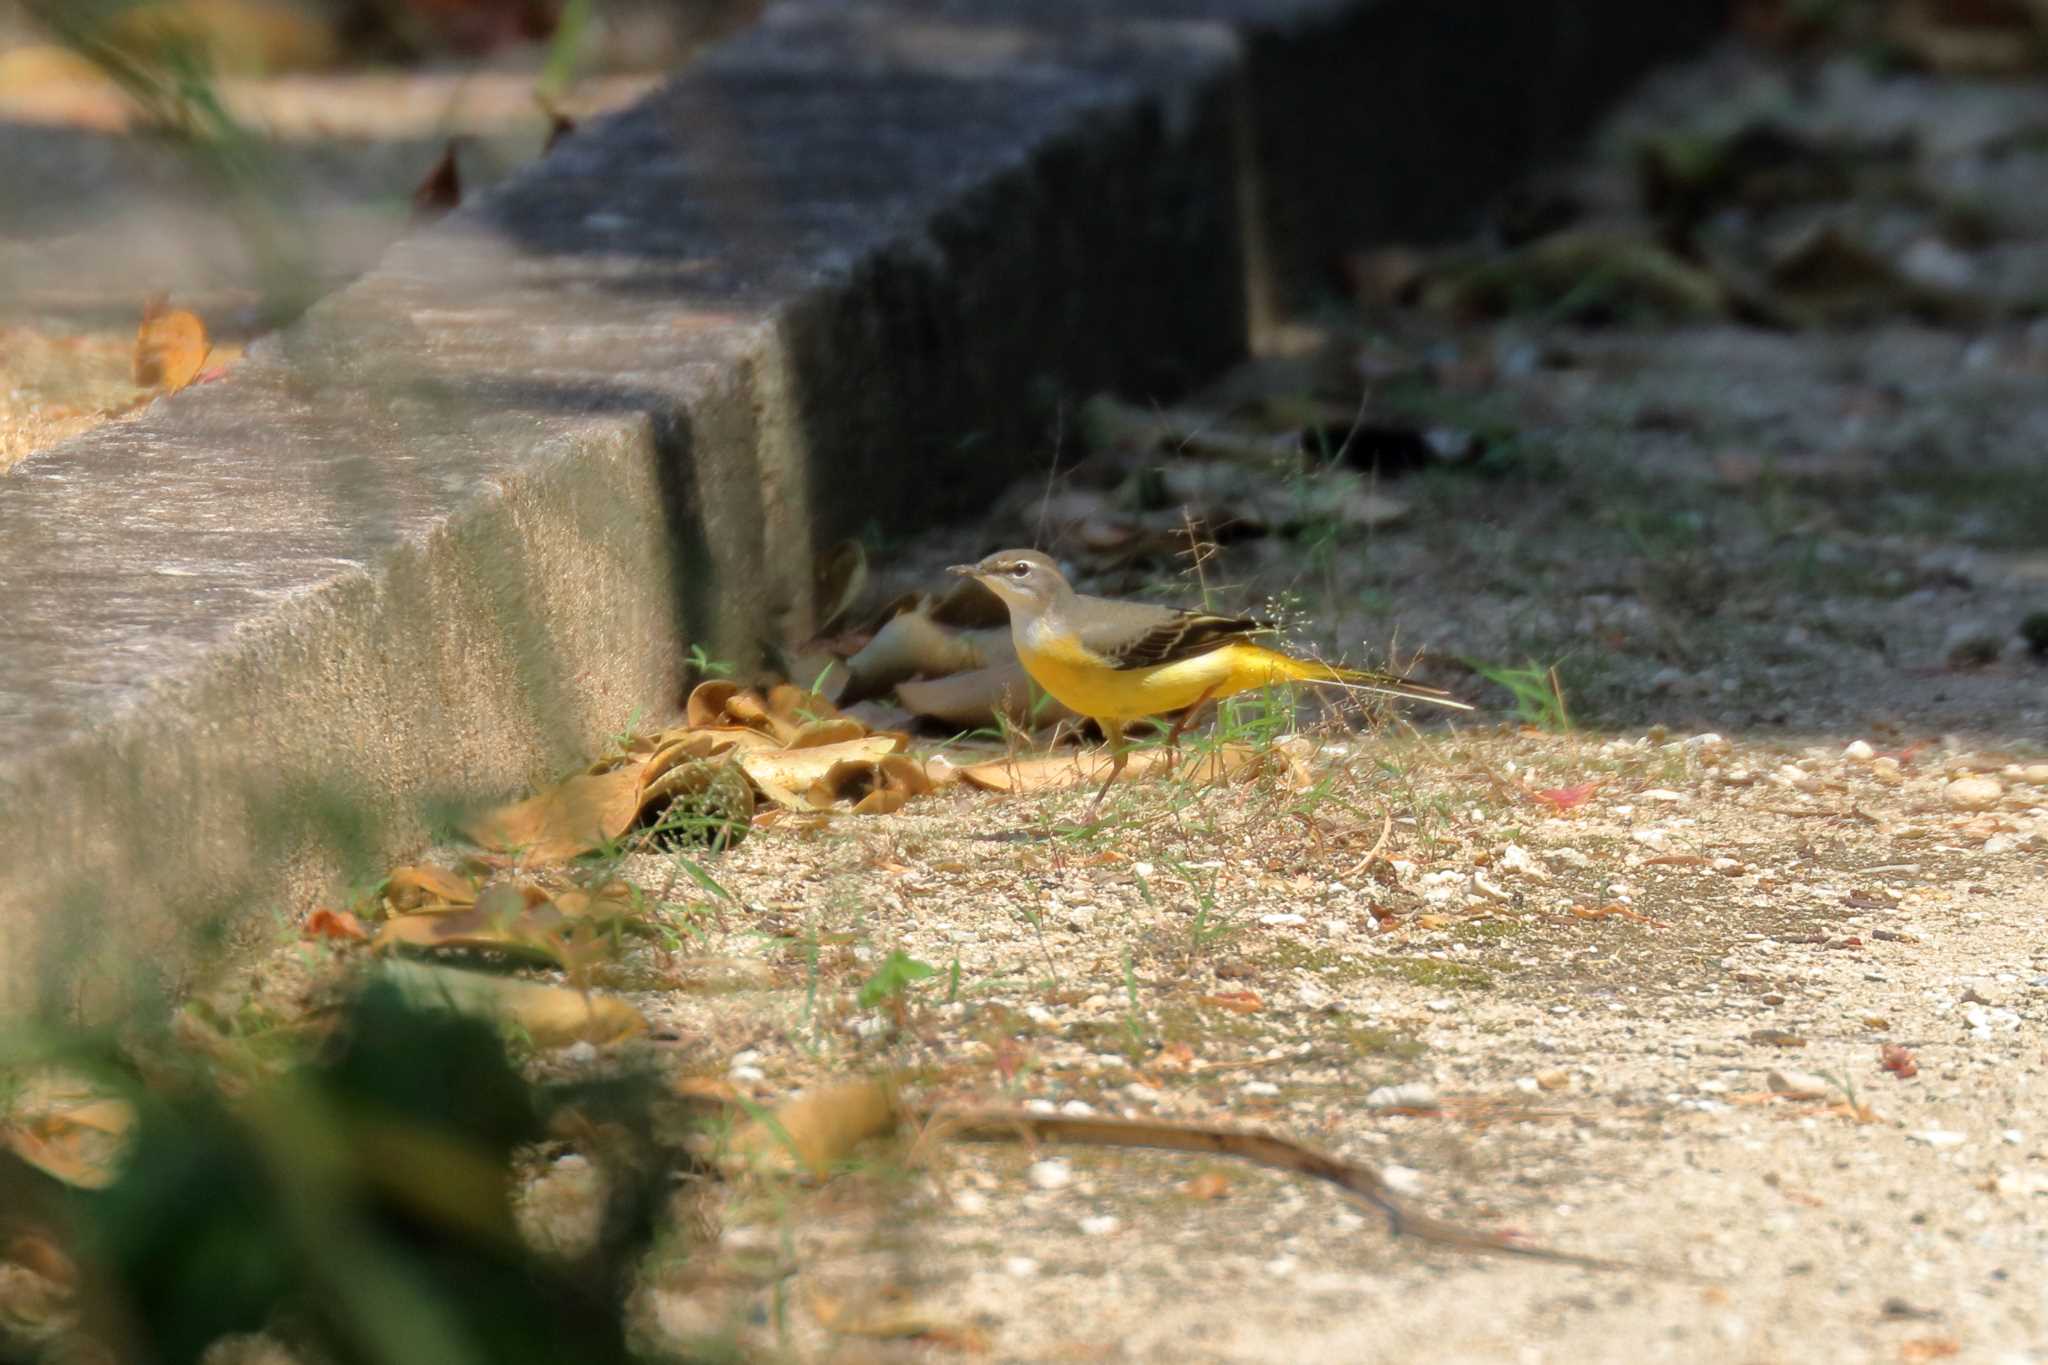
pixel 1859 751
pixel 1413 1095
pixel 1051 1174
pixel 1974 793
pixel 1258 1088
pixel 1022 1267
pixel 1101 1225
pixel 1939 1138
pixel 1402 1179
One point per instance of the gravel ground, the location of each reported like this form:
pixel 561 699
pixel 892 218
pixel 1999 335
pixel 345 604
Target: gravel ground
pixel 1649 1027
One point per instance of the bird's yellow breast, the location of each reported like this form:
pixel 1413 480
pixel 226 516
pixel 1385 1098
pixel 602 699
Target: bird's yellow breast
pixel 1083 683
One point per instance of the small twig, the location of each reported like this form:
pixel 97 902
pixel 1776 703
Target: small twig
pixel 1386 827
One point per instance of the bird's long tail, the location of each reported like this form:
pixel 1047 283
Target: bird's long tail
pixel 1287 668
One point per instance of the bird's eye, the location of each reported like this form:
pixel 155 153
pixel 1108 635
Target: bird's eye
pixel 1020 571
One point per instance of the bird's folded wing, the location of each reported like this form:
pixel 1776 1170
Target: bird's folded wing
pixel 1140 636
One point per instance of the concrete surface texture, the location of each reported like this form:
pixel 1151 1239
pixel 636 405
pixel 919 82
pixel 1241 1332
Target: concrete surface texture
pixel 444 533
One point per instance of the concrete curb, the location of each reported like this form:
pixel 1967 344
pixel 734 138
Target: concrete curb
pixel 443 534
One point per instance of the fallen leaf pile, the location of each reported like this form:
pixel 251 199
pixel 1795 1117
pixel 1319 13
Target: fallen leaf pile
pixel 702 781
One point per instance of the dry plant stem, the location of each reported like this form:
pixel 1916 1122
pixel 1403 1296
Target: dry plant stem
pixel 1386 827
pixel 1280 1154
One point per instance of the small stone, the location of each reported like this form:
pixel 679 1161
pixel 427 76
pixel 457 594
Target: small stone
pixel 1664 794
pixel 1259 1089
pixel 1886 769
pixel 1706 743
pixel 1798 1085
pixel 1772 998
pixel 1974 793
pixel 1101 1225
pixel 2035 774
pixel 1514 858
pixel 1413 1095
pixel 580 1053
pixel 1021 1267
pixel 1859 751
pixel 1051 1174
pixel 1553 1080
pixel 1969 645
pixel 1939 1138
pixel 1934 263
pixel 1402 1179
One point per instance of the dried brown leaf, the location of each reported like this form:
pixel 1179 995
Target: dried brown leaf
pixel 817 1130
pixel 562 821
pixel 68 1127
pixel 335 924
pixel 786 776
pixel 912 645
pixel 440 189
pixel 171 346
pixel 876 786
pixel 415 887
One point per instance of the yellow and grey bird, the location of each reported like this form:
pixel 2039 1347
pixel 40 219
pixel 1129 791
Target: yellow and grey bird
pixel 1117 662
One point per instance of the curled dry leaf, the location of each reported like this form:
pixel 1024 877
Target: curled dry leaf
pixel 570 929
pixel 914 644
pixel 171 346
pixel 552 1016
pixel 335 924
pixel 67 1127
pixel 565 820
pixel 700 801
pixel 880 786
pixel 815 1131
pixel 439 192
pixel 786 776
pixel 782 715
pixel 423 886
pixel 838 580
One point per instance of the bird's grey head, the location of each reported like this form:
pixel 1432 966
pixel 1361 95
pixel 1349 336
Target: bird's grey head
pixel 1025 580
